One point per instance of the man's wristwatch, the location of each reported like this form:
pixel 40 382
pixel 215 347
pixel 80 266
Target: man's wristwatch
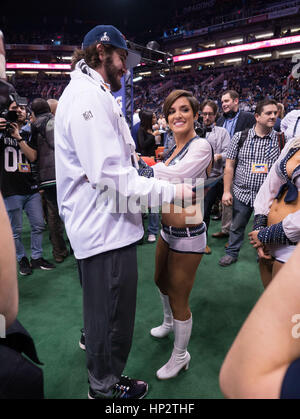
pixel 19 141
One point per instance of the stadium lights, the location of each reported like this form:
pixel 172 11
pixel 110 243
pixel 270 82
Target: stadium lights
pixel 256 57
pixel 277 42
pixel 235 41
pixel 291 51
pixel 264 35
pixel 232 60
pixel 137 79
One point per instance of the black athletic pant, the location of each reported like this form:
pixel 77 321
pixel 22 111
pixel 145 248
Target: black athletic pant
pixel 210 198
pixel 109 284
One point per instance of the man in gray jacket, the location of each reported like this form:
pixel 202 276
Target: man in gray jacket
pixel 219 138
pixel 43 133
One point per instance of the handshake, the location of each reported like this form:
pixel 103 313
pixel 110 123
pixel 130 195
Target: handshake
pixel 256 243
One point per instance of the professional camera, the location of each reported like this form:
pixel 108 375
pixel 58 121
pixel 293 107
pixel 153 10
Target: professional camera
pixel 200 127
pixel 8 95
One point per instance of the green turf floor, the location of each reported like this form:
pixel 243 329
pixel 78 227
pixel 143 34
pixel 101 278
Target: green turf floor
pixel 51 310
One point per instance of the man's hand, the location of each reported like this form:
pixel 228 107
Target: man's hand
pixel 217 157
pixel 184 195
pixel 254 240
pixel 227 199
pixel 262 253
pixel 2 124
pixel 14 131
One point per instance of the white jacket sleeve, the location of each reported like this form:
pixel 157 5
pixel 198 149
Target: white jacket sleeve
pixel 291 226
pixel 100 150
pixel 270 187
pixel 193 165
pixel 267 192
pixel 284 124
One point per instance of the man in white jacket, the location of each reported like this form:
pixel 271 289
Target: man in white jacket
pixel 97 189
pixel 290 124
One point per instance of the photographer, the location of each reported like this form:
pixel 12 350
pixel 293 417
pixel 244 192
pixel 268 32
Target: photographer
pixel 19 185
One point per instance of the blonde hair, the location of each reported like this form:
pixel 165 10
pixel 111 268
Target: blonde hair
pixel 280 110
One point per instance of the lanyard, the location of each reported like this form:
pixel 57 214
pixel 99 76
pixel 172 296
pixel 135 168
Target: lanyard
pixel 295 127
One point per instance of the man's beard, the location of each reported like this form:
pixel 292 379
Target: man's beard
pixel 230 114
pixel 112 74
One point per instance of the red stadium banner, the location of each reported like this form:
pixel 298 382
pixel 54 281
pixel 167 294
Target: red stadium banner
pixel 269 43
pixel 278 42
pixel 31 66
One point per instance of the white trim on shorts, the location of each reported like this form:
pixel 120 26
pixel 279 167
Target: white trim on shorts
pixel 195 244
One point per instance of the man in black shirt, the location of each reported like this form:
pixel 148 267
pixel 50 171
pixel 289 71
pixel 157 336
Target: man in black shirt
pixel 19 187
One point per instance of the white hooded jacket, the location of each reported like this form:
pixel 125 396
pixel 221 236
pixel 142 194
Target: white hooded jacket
pixel 93 150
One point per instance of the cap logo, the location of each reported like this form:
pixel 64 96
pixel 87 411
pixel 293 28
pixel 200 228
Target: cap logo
pixel 105 37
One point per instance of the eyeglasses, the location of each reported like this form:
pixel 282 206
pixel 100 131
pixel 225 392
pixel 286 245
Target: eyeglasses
pixel 207 114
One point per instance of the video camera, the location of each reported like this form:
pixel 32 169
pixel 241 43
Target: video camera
pixel 200 128
pixel 9 95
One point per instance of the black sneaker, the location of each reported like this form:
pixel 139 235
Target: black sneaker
pixel 82 340
pixel 41 264
pixel 126 388
pixel 24 266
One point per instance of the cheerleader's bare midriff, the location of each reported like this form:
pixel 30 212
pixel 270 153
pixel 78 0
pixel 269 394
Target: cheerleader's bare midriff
pixel 279 209
pixel 175 216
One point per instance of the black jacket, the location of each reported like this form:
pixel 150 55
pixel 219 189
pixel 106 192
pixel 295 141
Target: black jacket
pixel 43 129
pixel 146 142
pixel 245 120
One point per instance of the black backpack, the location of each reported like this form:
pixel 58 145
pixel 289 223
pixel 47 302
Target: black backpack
pixel 280 138
pixel 44 127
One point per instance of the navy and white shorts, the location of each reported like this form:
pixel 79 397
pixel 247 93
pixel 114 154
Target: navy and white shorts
pixel 185 240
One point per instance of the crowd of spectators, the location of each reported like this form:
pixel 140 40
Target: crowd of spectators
pixel 253 82
pixel 40 85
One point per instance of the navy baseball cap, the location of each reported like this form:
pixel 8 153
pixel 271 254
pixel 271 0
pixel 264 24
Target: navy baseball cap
pixel 108 34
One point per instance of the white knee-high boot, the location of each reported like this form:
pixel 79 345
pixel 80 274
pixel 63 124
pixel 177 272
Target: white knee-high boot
pixel 180 357
pixel 167 326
